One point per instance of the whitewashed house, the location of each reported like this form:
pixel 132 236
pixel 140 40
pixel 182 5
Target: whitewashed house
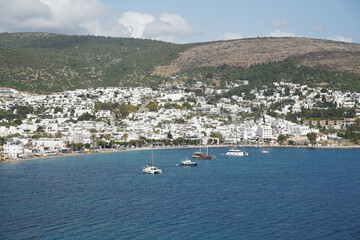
pixel 13 148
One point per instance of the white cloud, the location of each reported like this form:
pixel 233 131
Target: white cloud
pixel 66 16
pixel 229 36
pixel 279 23
pixel 341 39
pixel 168 25
pixel 85 17
pixel 318 28
pixel 136 23
pixel 278 33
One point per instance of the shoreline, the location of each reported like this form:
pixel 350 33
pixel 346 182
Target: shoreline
pixel 74 154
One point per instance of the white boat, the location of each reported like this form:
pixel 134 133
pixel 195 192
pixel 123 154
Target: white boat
pixel 236 152
pixel 150 168
pixel 264 151
pixel 188 162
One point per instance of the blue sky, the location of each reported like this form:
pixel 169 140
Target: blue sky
pixel 186 20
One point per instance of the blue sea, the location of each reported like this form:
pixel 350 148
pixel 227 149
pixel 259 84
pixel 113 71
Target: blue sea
pixel 292 193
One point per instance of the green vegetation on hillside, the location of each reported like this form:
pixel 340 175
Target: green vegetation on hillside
pixel 266 74
pixel 46 63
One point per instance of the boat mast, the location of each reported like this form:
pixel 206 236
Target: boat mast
pixel 152 156
pixel 236 140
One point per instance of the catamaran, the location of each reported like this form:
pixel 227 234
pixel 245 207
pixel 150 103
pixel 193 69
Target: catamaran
pixel 150 168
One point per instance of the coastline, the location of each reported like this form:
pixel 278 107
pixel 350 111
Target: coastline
pixel 74 154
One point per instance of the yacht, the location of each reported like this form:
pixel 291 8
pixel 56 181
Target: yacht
pixel 150 168
pixel 188 162
pixel 236 152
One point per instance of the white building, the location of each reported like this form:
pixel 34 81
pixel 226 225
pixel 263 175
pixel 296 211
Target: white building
pixel 265 132
pixel 48 145
pixel 103 114
pixel 13 148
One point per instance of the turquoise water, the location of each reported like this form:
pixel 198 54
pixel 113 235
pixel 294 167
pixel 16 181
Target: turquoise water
pixel 286 194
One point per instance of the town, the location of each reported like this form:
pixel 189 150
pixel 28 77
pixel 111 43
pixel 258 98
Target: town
pixel 96 119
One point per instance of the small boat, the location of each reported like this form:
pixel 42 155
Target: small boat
pixel 150 168
pixel 264 151
pixel 236 152
pixel 188 162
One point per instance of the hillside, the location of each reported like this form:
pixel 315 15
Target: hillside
pixel 43 62
pixel 332 55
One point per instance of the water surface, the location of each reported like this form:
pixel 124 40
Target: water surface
pixel 286 194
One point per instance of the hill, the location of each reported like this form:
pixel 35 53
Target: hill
pixel 247 52
pixel 44 62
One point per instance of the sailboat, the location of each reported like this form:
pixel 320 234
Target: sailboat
pixel 150 168
pixel 200 155
pixel 235 152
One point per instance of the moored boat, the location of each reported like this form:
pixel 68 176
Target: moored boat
pixel 151 169
pixel 188 162
pixel 236 152
pixel 200 155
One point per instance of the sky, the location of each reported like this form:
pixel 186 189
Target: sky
pixel 186 21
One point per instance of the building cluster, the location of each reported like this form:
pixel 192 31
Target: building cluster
pixel 58 116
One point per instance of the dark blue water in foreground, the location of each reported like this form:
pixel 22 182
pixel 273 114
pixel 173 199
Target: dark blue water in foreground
pixel 286 194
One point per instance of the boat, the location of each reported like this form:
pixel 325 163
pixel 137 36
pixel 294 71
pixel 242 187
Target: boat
pixel 188 162
pixel 150 168
pixel 264 151
pixel 200 155
pixel 236 152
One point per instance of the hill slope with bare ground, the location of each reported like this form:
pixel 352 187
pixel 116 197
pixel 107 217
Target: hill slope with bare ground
pixel 331 55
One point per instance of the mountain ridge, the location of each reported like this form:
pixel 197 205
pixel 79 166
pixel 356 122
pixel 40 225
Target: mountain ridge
pixel 46 62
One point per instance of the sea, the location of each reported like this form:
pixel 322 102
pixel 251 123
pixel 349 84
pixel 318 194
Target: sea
pixel 288 193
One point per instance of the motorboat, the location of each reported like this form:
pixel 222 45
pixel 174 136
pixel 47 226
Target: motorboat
pixel 236 152
pixel 264 151
pixel 188 162
pixel 151 169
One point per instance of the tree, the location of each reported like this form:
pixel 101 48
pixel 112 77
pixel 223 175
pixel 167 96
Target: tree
pixel 352 132
pixel 125 136
pixel 58 134
pixel 217 135
pixel 281 138
pixel 40 129
pixel 169 135
pixel 86 117
pixel 312 137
